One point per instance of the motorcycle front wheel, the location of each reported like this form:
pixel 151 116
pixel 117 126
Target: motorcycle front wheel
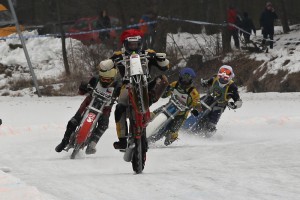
pixel 75 151
pixel 139 154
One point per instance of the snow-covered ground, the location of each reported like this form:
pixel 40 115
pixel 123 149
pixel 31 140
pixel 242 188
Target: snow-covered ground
pixel 253 156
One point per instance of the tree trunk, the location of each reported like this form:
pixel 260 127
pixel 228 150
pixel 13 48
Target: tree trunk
pixel 121 13
pixel 225 32
pixel 63 39
pixel 160 39
pixel 283 16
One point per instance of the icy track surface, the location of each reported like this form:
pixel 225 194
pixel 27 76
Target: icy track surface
pixel 255 155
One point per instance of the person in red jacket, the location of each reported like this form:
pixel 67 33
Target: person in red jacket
pixel 233 19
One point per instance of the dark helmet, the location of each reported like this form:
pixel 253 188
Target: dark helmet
pixel 132 40
pixel 186 77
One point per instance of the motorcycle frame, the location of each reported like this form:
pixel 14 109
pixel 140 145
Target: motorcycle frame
pixel 137 73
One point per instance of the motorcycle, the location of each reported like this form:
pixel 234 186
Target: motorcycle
pixel 199 124
pixel 136 76
pixel 81 136
pixel 157 127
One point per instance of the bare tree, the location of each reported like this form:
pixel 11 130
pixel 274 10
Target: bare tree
pixel 283 16
pixel 63 38
pixel 223 5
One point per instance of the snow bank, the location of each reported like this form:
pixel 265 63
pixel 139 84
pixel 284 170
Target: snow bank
pixel 45 54
pixel 13 188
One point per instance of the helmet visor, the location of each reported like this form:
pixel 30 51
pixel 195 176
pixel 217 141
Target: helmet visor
pixel 186 79
pixel 225 70
pixel 133 45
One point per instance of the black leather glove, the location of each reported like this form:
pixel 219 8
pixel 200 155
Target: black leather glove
pixel 195 112
pixel 231 105
pixel 203 83
pixel 83 88
pixel 151 55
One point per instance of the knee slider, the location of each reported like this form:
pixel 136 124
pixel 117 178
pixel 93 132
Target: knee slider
pixel 73 123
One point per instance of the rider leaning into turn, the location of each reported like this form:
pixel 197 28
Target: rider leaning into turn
pixel 186 93
pixel 223 87
pixel 132 43
pixel 105 80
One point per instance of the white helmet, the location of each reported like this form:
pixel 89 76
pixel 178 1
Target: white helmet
pixel 225 74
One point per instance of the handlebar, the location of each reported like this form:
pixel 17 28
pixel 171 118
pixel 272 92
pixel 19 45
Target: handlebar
pixel 178 103
pixel 142 56
pixel 103 95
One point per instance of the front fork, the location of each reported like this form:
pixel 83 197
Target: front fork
pixel 138 123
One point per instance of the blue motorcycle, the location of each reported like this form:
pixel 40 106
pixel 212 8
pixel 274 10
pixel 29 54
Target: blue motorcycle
pixel 198 125
pixel 156 129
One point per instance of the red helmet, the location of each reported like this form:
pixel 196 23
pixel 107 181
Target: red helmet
pixel 132 40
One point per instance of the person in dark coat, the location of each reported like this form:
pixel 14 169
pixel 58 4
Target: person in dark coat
pixel 248 26
pixel 103 23
pixel 267 19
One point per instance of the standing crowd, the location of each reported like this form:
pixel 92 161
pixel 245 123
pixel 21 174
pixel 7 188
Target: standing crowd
pixel 145 24
pixel 244 25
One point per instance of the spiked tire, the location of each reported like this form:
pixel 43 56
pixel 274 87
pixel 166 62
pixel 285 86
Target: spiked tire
pixel 139 155
pixel 75 151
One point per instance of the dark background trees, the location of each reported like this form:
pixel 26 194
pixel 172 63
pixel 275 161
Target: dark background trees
pixel 42 11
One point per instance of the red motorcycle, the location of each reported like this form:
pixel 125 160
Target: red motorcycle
pixel 137 74
pixel 81 136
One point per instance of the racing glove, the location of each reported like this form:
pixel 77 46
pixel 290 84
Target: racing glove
pixel 195 112
pixel 161 59
pixel 235 105
pixel 203 83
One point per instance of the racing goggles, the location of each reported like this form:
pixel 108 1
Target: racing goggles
pixel 106 80
pixel 225 70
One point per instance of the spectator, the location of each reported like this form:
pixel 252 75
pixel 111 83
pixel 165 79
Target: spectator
pixel 267 18
pixel 103 22
pixel 144 30
pixel 233 19
pixel 248 26
pixel 152 29
pixel 132 21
